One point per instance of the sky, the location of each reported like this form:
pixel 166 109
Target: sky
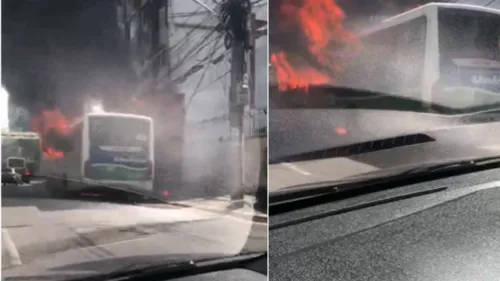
pixel 59 51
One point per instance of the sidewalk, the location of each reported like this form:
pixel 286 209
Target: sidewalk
pixel 223 205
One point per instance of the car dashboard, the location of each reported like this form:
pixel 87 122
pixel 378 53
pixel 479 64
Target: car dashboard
pixel 452 234
pixel 254 270
pixel 232 274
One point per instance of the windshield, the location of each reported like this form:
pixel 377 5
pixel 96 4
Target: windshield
pixel 16 163
pixel 123 110
pixel 469 47
pixel 469 34
pixel 358 91
pixel 116 131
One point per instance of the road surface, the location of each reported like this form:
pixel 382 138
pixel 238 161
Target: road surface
pixel 39 231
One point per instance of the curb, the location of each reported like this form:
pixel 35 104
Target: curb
pixel 256 217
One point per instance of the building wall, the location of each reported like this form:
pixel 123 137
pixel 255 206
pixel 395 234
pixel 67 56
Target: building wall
pixel 208 160
pixel 207 156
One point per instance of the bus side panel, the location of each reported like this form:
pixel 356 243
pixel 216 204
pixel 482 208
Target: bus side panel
pixel 431 62
pixel 72 165
pixel 73 159
pixel 51 167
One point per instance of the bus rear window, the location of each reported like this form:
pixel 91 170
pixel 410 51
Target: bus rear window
pixel 469 34
pixel 16 163
pixel 118 131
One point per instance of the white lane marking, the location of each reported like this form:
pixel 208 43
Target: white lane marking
pixel 14 256
pixel 296 169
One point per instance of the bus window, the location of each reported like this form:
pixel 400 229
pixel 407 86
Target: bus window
pixel 469 34
pixel 411 56
pixel 117 131
pixel 469 53
pixel 374 67
pixel 393 59
pixel 16 163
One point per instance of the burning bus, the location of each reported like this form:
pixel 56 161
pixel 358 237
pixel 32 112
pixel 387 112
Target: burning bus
pixel 103 150
pixel 437 53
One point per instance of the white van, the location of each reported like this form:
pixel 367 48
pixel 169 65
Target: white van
pixel 19 165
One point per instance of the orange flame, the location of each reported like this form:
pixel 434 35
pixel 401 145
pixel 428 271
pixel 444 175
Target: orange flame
pixel 321 21
pixel 51 120
pixel 289 78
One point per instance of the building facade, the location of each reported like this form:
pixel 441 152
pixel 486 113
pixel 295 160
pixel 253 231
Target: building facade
pixel 175 48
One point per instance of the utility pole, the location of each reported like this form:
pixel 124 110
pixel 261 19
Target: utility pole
pixel 168 61
pixel 236 109
pixel 234 15
pixel 256 31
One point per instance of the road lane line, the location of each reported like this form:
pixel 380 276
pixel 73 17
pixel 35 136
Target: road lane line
pixel 296 169
pixel 15 259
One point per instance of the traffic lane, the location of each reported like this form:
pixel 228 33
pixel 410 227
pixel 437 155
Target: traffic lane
pixel 448 144
pixel 36 193
pixel 34 189
pixel 290 174
pixel 299 131
pixel 224 235
pixel 331 169
pixel 65 229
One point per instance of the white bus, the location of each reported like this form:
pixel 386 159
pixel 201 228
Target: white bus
pixel 441 53
pixel 106 149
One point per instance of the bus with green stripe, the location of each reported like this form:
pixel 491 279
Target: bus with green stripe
pixel 106 149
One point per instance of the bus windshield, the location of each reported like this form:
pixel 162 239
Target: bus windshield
pixel 469 49
pixel 469 34
pixel 16 163
pixel 118 131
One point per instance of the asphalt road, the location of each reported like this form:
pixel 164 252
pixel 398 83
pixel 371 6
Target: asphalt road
pixel 39 231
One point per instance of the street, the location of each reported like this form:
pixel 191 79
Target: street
pixel 39 231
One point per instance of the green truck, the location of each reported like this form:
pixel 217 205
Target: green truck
pixel 25 145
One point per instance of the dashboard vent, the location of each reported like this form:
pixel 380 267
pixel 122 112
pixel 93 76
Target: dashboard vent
pixel 360 148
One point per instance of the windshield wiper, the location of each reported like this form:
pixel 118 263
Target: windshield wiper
pixel 134 271
pixel 378 181
pixel 138 271
pixel 459 164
